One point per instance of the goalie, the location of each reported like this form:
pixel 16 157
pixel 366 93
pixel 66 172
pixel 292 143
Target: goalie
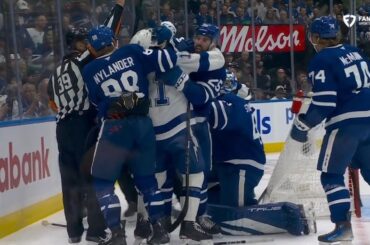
pixel 340 77
pixel 239 168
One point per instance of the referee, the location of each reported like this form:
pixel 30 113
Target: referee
pixel 75 118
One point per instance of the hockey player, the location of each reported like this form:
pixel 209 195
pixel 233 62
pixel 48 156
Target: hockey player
pixel 199 89
pixel 118 86
pixel 238 154
pixel 239 159
pixel 75 118
pixel 169 114
pixel 341 91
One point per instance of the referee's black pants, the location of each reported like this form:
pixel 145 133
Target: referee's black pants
pixel 77 188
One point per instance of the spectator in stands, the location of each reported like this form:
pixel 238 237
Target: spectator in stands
pixel 30 101
pixel 229 57
pixel 213 6
pixel 281 79
pixel 167 13
pixel 364 8
pixel 263 79
pixel 244 60
pixel 315 14
pixel 10 109
pixel 302 82
pixel 33 37
pixel 22 13
pixel 44 109
pixel 283 17
pixel 270 18
pixel 258 94
pixel 241 17
pixel 303 18
pixel 270 8
pixel 203 15
pixel 17 59
pixel 226 17
pixel 280 93
pixel 80 13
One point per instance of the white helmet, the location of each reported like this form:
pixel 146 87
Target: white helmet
pixel 144 38
pixel 170 26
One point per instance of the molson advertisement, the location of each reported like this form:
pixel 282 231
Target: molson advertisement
pixel 271 38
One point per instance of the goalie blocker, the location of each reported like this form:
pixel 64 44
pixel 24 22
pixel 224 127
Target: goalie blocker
pixel 263 219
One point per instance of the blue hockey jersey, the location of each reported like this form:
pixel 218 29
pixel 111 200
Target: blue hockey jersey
pixel 341 87
pixel 125 69
pixel 235 136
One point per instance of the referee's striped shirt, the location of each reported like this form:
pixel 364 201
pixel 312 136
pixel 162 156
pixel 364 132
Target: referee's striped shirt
pixel 67 88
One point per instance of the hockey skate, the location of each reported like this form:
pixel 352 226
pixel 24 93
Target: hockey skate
pixel 116 237
pixel 143 229
pixel 208 225
pixel 159 234
pixel 342 234
pixel 191 231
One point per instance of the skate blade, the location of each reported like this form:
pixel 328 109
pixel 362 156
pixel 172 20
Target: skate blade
pixel 186 241
pixel 336 243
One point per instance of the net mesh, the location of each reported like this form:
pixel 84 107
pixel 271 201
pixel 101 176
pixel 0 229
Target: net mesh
pixel 295 178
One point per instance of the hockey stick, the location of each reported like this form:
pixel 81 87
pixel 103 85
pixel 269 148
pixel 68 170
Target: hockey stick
pixel 138 14
pixel 47 223
pixel 245 241
pixel 184 210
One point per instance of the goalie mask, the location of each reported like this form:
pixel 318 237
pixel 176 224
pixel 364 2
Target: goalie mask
pixel 230 84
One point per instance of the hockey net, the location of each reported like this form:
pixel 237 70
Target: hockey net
pixel 296 179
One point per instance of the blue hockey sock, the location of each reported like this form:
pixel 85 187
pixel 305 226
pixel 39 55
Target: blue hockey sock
pixel 153 199
pixel 167 191
pixel 109 203
pixel 203 200
pixel 337 195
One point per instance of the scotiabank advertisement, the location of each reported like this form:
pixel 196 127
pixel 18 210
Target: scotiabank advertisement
pixel 29 171
pixel 274 120
pixel 271 38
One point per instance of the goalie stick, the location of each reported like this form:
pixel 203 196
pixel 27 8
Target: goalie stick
pixel 354 188
pixel 184 210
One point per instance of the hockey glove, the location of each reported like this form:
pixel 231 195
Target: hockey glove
pixel 162 34
pixel 185 45
pixel 175 77
pixel 300 130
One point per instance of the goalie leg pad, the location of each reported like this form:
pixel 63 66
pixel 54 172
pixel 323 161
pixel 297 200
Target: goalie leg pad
pixel 259 219
pixel 337 195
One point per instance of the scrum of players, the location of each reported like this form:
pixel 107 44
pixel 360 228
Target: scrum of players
pixel 169 114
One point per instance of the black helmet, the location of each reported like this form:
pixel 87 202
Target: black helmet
pixel 75 34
